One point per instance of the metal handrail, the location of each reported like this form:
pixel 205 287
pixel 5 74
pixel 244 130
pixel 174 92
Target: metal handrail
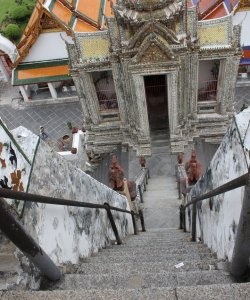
pixel 6 193
pixel 17 234
pixel 15 231
pixel 231 185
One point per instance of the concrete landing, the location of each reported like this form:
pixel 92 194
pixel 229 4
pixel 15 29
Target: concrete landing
pixel 161 204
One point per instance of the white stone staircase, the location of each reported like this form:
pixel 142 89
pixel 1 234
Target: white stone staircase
pixel 161 263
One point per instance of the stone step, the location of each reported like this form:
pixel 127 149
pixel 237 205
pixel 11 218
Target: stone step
pixel 149 257
pixel 128 252
pixel 149 243
pixel 176 234
pixel 129 267
pixel 239 291
pixel 162 150
pixel 145 236
pixel 191 247
pixel 166 240
pixel 162 244
pixel 160 143
pixel 142 280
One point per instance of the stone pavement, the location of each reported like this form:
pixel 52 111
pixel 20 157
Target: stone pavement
pixel 53 117
pixel 242 96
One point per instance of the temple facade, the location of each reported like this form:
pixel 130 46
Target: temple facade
pixel 157 65
pixel 137 65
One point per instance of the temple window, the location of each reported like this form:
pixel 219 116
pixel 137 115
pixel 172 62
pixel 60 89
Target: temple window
pixel 207 86
pixel 105 91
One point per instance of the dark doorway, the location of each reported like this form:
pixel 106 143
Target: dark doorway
pixel 157 100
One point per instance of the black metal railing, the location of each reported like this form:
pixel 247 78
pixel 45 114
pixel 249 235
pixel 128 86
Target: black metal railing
pixel 231 185
pixel 15 231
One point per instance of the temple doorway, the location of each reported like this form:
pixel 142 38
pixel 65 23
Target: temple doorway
pixel 156 90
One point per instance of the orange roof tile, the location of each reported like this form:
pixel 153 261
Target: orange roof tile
pixel 246 53
pixel 204 5
pixel 62 12
pixel 218 12
pixel 108 9
pixel 89 8
pixel 81 26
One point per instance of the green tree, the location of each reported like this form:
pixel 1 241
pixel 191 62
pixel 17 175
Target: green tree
pixel 19 13
pixel 12 32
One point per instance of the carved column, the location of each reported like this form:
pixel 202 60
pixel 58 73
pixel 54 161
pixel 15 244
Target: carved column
pixel 82 97
pixel 227 77
pixel 142 113
pixel 128 92
pixel 220 87
pixel 118 81
pixel 234 65
pixel 193 84
pixel 173 102
pixel 91 97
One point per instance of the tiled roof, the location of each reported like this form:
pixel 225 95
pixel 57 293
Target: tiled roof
pixel 218 12
pixel 69 15
pixel 211 9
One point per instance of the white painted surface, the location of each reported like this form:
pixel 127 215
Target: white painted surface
pixel 68 233
pixel 65 233
pixel 15 163
pixel 8 47
pixel 4 75
pixel 218 217
pixel 49 46
pixel 243 18
pixel 26 140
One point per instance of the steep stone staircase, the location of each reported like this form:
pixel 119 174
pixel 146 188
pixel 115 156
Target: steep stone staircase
pixel 161 263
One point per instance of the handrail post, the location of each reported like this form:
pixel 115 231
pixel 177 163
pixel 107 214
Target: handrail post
pixel 15 231
pixel 181 216
pixel 140 192
pixel 143 229
pixel 193 237
pixel 112 222
pixel 184 219
pixel 146 176
pixel 134 223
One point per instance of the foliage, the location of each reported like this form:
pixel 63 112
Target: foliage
pixel 19 13
pixel 15 12
pixel 12 32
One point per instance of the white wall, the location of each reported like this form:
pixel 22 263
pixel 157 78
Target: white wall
pixel 64 233
pixel 218 217
pixel 48 46
pixel 15 163
pixel 68 233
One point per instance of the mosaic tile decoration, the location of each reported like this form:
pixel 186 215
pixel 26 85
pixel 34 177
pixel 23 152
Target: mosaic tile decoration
pixel 215 33
pixel 95 47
